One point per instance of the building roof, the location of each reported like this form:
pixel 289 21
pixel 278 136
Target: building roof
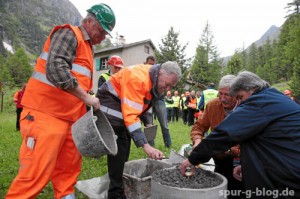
pixel 121 46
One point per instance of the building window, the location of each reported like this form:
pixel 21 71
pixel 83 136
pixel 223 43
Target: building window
pixel 147 49
pixel 101 63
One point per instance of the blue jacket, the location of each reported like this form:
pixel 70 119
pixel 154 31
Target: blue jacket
pixel 267 127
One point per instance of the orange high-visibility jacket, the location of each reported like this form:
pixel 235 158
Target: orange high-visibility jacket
pixel 18 97
pixel 43 96
pixel 132 85
pixel 192 102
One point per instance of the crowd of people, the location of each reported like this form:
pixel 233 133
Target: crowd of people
pixel 249 129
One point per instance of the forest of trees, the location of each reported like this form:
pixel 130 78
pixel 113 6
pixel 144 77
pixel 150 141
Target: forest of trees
pixel 275 61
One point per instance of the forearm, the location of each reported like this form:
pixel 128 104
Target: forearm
pixel 197 133
pixel 85 97
pixel 81 94
pixel 214 144
pixel 138 138
pixel 198 129
pixel 196 136
pixel 61 55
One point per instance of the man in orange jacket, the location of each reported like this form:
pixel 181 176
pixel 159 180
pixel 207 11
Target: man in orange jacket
pixel 124 98
pixel 55 97
pixel 17 100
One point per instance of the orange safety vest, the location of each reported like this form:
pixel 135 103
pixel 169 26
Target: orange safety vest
pixel 132 85
pixel 192 103
pixel 43 96
pixel 18 97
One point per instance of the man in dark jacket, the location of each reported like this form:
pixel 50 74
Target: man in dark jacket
pixel 266 124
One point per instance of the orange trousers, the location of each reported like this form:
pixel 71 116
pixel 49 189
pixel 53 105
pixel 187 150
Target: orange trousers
pixel 47 154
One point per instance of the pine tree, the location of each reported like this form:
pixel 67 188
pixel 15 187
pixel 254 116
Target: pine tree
pixel 295 5
pixel 235 64
pixel 172 50
pixel 295 80
pixel 252 58
pixel 5 77
pixel 206 66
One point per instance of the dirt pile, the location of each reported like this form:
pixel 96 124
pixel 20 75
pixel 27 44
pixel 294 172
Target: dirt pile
pixel 200 180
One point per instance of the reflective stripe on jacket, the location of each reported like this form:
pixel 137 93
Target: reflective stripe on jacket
pixel 176 100
pixel 43 96
pixel 209 94
pixel 169 102
pixel 198 101
pixel 106 76
pixel 103 78
pixel 182 103
pixel 126 95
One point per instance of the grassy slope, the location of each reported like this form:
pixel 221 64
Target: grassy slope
pixel 10 143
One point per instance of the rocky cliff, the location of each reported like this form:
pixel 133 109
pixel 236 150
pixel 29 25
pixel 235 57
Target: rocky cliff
pixel 27 23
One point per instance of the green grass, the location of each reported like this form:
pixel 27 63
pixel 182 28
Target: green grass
pixel 10 141
pixel 282 86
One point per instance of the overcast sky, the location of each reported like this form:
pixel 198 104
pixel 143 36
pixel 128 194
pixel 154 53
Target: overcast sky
pixel 234 23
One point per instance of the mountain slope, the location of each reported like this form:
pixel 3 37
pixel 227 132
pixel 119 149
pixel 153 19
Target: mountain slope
pixel 272 34
pixel 27 23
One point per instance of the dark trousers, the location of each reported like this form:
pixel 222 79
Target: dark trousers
pixel 184 115
pixel 18 111
pixel 191 118
pixel 169 113
pixel 116 164
pixel 161 111
pixel 175 114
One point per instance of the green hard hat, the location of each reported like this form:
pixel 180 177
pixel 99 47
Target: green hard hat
pixel 105 15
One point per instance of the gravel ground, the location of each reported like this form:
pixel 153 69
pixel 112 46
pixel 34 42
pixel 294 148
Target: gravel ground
pixel 200 180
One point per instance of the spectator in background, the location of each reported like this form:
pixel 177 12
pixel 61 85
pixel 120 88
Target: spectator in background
pixel 176 107
pixel 191 103
pixel 266 124
pixel 150 60
pixel 289 93
pixel 184 108
pixel 55 98
pixel 116 64
pixel 198 111
pixel 169 105
pixel 19 107
pixel 207 95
